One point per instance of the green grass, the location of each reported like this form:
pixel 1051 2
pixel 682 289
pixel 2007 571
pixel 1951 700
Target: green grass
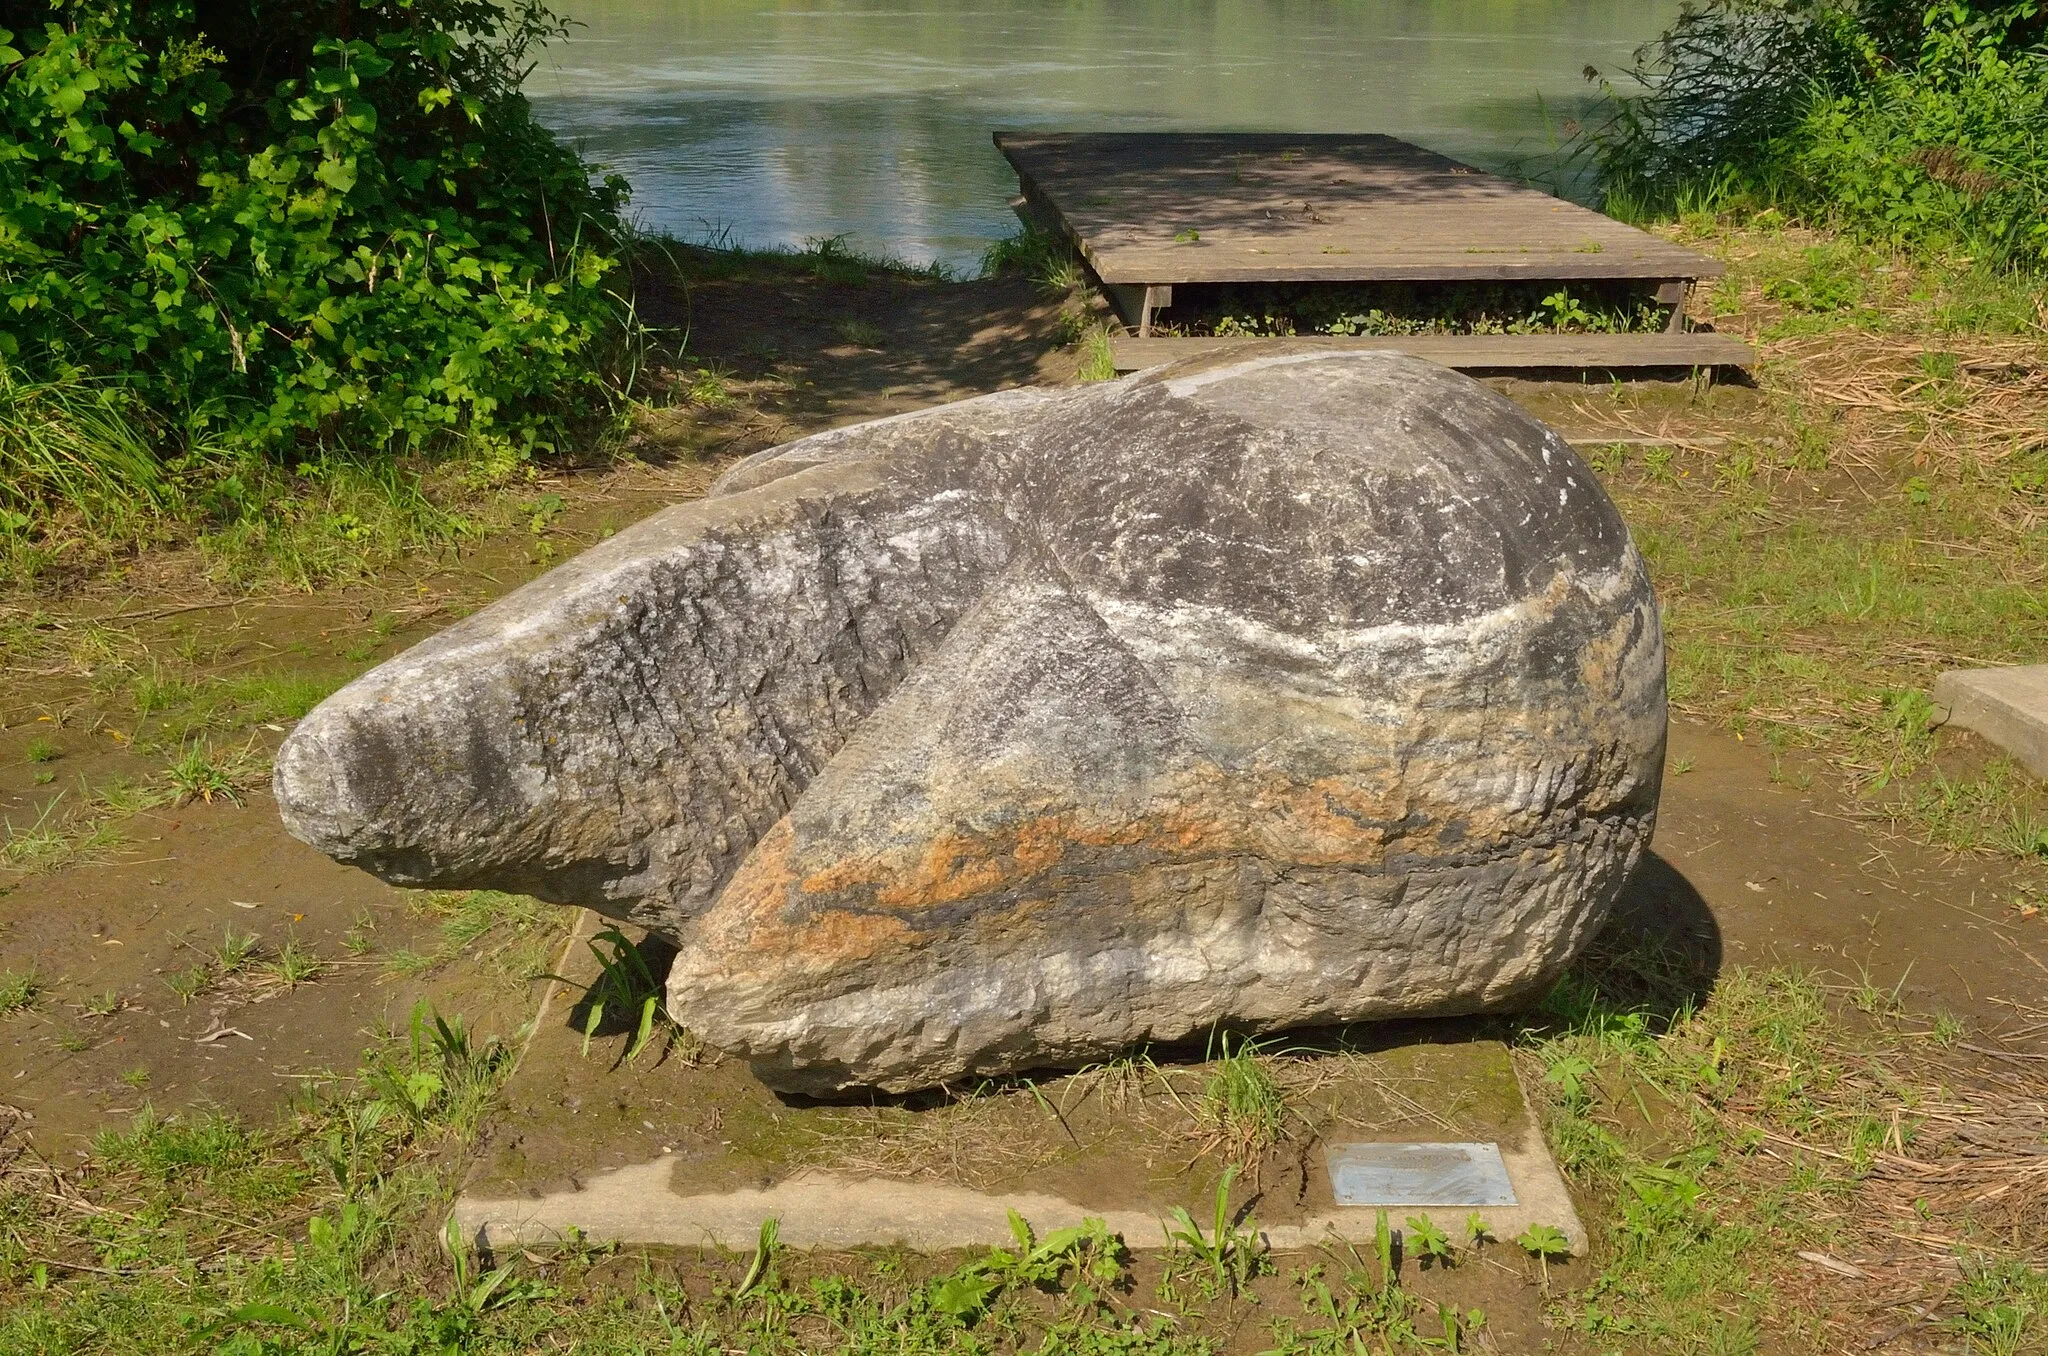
pixel 1098 360
pixel 173 706
pixel 42 750
pixel 325 1233
pixel 1869 523
pixel 80 443
pixel 1047 259
pixel 505 937
pixel 1242 1105
pixel 36 845
pixel 196 776
pixel 1707 1146
pixel 188 982
pixel 1711 1145
pixel 859 333
pixel 54 839
pixel 235 952
pixel 19 990
pixel 81 482
pixel 295 964
pixel 825 259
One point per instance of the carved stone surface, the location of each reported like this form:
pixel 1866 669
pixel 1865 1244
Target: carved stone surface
pixel 1271 691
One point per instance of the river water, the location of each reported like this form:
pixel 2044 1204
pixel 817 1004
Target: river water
pixel 772 124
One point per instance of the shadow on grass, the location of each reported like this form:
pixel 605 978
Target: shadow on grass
pixel 1660 953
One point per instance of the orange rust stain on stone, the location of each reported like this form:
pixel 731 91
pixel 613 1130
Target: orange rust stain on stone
pixel 750 916
pixel 1601 667
pixel 863 906
pixel 952 868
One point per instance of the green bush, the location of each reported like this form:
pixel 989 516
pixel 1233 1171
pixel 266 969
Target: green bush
pixel 1925 127
pixel 1950 152
pixel 296 231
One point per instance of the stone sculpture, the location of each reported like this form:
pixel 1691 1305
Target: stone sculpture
pixel 1268 691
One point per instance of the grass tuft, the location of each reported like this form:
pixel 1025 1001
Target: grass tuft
pixel 295 964
pixel 1242 1105
pixel 194 775
pixel 19 990
pixel 1098 360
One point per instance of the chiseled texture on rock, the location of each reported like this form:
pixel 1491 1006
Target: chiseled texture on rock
pixel 1274 691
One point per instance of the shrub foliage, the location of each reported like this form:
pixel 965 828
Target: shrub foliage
pixel 1925 126
pixel 299 228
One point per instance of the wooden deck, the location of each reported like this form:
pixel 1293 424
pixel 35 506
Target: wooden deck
pixel 1151 211
pixel 1482 352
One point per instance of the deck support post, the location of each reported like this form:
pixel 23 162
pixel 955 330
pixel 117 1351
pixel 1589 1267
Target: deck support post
pixel 1674 294
pixel 1136 304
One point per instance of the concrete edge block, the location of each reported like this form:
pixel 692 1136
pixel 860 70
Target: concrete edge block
pixel 637 1204
pixel 2007 706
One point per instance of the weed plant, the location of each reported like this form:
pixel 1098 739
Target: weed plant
pixel 1373 310
pixel 1098 359
pixel 295 964
pixel 19 990
pixel 194 775
pixel 624 986
pixel 1219 1263
pixel 1043 256
pixel 1242 1106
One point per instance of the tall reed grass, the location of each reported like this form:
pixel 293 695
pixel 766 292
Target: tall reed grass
pixel 81 446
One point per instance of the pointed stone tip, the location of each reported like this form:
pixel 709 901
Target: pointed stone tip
pixel 311 787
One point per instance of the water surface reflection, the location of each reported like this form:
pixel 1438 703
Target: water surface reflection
pixel 783 122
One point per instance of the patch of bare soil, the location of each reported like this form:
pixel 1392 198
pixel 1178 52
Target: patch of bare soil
pixel 136 1006
pixel 772 353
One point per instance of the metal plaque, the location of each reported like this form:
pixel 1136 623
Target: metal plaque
pixel 1419 1174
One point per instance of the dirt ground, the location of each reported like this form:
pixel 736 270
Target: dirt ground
pixel 128 924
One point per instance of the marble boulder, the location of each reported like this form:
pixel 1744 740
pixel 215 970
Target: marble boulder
pixel 1271 691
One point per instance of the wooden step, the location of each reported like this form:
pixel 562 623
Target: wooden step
pixel 1480 352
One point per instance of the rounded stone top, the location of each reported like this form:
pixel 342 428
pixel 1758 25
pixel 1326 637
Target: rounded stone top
pixel 1306 491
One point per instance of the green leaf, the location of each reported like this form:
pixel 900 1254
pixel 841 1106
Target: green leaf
pixel 269 1314
pixel 1544 1240
pixel 963 1294
pixel 68 99
pixel 648 1007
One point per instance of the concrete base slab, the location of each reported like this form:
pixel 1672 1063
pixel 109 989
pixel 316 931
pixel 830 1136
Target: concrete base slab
pixel 690 1151
pixel 817 1209
pixel 2007 706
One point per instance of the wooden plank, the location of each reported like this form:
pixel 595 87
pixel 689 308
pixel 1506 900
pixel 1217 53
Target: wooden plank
pixel 1163 208
pixel 1473 352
